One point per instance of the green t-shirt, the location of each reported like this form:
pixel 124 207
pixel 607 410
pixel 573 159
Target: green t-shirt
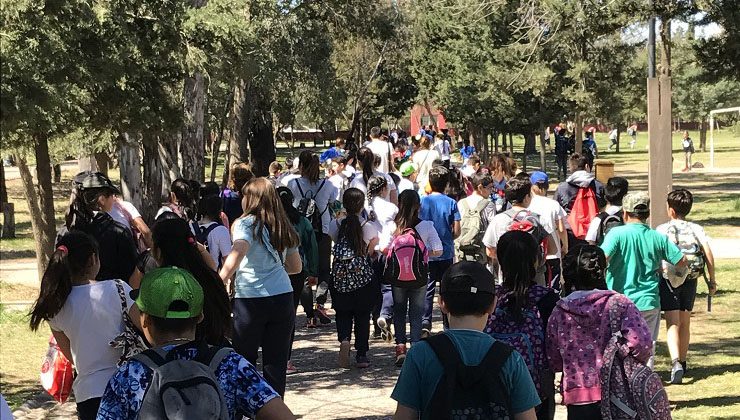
pixel 422 371
pixel 635 253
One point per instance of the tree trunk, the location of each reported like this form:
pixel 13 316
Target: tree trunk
pixel 40 200
pixel 543 146
pixel 511 144
pixel 261 140
pixel 168 151
pixel 579 133
pixel 192 147
pixel 530 143
pixel 129 166
pixel 703 134
pixel 495 142
pixel 153 174
pixel 8 209
pixel 238 149
pixel 665 47
pixel 619 133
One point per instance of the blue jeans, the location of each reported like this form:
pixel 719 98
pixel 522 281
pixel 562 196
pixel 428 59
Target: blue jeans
pixel 436 270
pixel 413 299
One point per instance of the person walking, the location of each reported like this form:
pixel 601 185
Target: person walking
pixel 688 150
pixel 264 254
pixel 354 286
pixel 579 330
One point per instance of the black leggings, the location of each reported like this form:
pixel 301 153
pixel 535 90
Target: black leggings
pixel 298 281
pixel 88 409
pixel 585 411
pixel 360 319
pixel 265 322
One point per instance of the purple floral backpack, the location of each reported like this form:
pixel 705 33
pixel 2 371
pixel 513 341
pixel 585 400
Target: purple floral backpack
pixel 525 335
pixel 629 389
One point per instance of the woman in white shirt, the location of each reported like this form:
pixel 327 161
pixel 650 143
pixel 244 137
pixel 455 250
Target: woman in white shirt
pixel 85 315
pixel 366 162
pixel 423 158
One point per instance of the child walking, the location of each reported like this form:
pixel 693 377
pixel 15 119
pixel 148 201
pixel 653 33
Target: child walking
pixel 522 311
pixel 677 298
pixel 578 330
pixel 85 315
pixel 354 287
pixel 408 297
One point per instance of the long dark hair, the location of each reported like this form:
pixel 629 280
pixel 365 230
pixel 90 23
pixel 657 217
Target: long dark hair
pixel 177 247
pixel 309 165
pixel 366 159
pixel 518 255
pixel 70 259
pixel 351 228
pixel 408 210
pixel 184 198
pixel 583 269
pixel 286 197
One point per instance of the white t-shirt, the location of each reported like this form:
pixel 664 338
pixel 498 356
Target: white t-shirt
pixel 423 160
pixel 550 213
pixel 341 183
pixel 322 195
pixel 91 318
pixel 386 212
pixel 370 230
pixel 219 241
pixel 405 184
pixel 383 149
pixel 429 235
pixel 286 178
pixel 593 228
pixel 124 212
pixel 443 148
pixel 359 183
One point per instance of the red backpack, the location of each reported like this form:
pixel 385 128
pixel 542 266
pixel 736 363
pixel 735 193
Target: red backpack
pixel 583 211
pixel 407 262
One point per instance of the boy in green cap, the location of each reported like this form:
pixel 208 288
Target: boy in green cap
pixel 635 253
pixel 170 302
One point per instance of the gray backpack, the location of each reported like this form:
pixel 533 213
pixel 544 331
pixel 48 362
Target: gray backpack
pixel 183 389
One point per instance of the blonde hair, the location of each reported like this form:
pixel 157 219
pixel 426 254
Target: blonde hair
pixel 260 200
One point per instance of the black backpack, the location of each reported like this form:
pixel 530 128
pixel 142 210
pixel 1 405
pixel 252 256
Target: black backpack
pixel 608 221
pixel 201 236
pixel 469 392
pixel 308 207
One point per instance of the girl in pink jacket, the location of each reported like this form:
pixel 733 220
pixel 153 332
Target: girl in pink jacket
pixel 578 330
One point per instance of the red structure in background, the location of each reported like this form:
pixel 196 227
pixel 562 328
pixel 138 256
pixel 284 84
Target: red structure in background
pixel 420 117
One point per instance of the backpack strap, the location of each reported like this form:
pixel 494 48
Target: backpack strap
pixel 450 360
pixel 493 364
pixel 481 205
pixel 300 190
pixel 152 358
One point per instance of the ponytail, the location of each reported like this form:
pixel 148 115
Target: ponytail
pixel 366 159
pixel 351 228
pixel 70 259
pixel 309 165
pixel 374 186
pixel 518 254
pixel 184 197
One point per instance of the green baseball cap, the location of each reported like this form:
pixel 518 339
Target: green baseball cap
pixel 407 168
pixel 636 202
pixel 169 292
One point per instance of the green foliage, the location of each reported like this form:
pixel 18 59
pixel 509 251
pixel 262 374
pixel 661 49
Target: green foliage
pixel 720 55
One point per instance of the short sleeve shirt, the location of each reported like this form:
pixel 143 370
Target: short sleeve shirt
pixel 323 195
pixel 261 272
pixel 219 242
pixel 701 235
pixel 242 386
pixel 443 212
pixel 124 213
pixel 550 214
pixel 635 255
pixel 91 318
pixel 429 235
pixel 422 371
pixel 593 229
pixel 359 183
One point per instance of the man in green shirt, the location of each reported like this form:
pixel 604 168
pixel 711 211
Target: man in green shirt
pixel 635 253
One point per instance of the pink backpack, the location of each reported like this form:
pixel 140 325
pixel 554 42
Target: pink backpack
pixel 407 261
pixel 629 389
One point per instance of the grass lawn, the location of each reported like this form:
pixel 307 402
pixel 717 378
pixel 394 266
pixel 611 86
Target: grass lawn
pixel 21 352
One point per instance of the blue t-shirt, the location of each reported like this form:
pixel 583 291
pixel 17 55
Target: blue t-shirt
pixel 242 386
pixel 422 371
pixel 261 273
pixel 442 211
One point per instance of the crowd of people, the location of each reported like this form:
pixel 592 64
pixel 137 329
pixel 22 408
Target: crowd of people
pixel 528 285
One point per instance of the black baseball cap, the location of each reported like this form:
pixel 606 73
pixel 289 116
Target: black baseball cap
pixel 467 277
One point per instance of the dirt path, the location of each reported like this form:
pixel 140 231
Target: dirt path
pixel 319 390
